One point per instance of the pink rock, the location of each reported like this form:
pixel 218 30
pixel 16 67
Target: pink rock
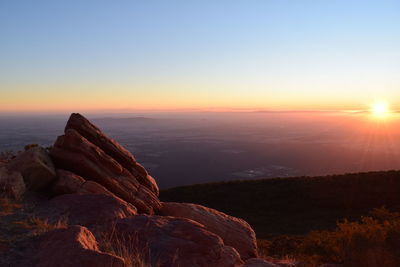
pixel 72 247
pixel 11 183
pixel 235 232
pixel 90 187
pixel 35 166
pixel 111 148
pixel 67 183
pixel 75 153
pixel 70 183
pixel 90 210
pixel 170 242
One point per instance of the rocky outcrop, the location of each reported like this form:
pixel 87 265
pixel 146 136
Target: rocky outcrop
pixel 70 183
pixel 75 153
pixel 11 183
pixel 90 210
pixel 169 241
pixel 112 148
pixel 67 183
pixel 35 166
pixel 72 247
pixel 235 232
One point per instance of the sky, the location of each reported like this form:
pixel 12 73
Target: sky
pixel 198 55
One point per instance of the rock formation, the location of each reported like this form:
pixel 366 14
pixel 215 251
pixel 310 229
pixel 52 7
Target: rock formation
pixel 11 183
pixel 235 232
pixel 35 166
pixel 72 247
pixel 175 242
pixel 88 210
pixel 75 153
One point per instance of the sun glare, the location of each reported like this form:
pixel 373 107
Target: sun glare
pixel 380 109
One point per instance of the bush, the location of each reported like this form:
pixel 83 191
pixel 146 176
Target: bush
pixel 373 241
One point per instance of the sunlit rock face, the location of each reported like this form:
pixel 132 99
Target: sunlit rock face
pixel 116 170
pixel 112 148
pixel 71 247
pixel 35 166
pixel 168 241
pixel 89 210
pixel 235 232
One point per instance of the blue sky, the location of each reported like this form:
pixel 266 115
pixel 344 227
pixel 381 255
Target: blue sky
pixel 198 54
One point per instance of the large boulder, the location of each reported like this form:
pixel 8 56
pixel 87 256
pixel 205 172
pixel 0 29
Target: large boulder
pixel 111 148
pixel 36 167
pixel 235 232
pixel 67 183
pixel 70 183
pixel 75 153
pixel 90 210
pixel 72 247
pixel 170 242
pixel 11 183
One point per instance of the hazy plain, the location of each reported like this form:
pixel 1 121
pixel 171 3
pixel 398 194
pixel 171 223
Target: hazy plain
pixel 198 147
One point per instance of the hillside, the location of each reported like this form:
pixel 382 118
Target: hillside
pixel 295 205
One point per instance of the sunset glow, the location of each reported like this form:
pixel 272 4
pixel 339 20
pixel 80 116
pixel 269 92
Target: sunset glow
pixel 140 55
pixel 380 109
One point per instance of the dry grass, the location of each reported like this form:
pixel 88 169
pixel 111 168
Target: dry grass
pixel 7 206
pixel 128 250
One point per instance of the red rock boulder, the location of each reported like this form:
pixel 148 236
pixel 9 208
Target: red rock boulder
pixel 235 232
pixel 72 247
pixel 35 166
pixel 172 242
pixel 111 148
pixel 67 183
pixel 70 183
pixel 75 153
pixel 90 210
pixel 11 183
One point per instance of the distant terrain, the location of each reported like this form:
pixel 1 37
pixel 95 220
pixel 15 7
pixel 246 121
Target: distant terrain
pixel 201 147
pixel 296 206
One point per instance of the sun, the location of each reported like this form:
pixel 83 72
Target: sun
pixel 380 109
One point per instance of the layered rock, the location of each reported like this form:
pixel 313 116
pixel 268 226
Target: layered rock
pixel 235 232
pixel 72 247
pixel 90 210
pixel 111 148
pixel 169 242
pixel 75 153
pixel 35 166
pixel 11 183
pixel 70 183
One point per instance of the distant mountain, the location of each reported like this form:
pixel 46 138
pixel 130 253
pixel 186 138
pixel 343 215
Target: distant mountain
pixel 295 205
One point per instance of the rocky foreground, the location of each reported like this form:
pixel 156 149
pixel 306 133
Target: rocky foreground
pixel 100 207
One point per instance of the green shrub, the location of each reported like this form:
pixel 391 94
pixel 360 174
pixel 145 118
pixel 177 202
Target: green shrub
pixel 374 241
